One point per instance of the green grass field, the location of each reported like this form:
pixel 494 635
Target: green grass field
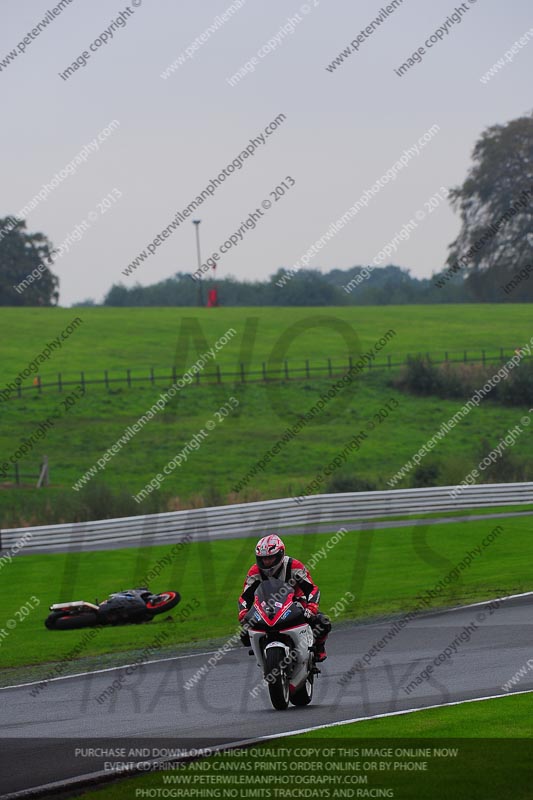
pixel 496 768
pixel 384 570
pixel 112 338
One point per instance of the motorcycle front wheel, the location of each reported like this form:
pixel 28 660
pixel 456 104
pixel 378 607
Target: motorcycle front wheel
pixel 278 682
pixel 158 603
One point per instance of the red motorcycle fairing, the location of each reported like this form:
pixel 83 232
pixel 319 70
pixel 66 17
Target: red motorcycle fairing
pixel 267 613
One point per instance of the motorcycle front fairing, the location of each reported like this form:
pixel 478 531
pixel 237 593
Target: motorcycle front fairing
pixel 277 620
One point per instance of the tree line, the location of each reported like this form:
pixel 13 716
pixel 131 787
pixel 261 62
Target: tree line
pixel 491 259
pixel 384 286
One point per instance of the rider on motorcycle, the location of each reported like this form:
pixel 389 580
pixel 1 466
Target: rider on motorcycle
pixel 271 562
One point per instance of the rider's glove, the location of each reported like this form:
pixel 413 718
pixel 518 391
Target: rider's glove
pixel 242 613
pixel 313 608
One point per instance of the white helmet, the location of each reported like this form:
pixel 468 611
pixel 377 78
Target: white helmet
pixel 269 555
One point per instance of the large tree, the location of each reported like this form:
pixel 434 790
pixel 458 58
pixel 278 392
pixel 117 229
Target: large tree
pixel 495 244
pixel 25 276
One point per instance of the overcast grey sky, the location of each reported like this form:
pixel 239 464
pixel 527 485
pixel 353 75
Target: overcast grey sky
pixel 342 129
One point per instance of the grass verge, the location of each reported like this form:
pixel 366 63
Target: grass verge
pixel 384 570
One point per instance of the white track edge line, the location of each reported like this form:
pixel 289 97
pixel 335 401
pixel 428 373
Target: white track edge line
pixel 104 669
pixel 397 714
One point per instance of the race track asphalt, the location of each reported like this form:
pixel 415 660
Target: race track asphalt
pixel 41 730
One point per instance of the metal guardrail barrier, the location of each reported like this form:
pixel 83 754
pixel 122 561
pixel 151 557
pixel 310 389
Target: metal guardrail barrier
pixel 248 519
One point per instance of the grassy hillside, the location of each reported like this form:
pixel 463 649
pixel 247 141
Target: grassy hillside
pixel 115 339
pixel 82 435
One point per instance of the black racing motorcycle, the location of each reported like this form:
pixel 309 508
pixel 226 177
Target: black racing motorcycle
pixel 130 606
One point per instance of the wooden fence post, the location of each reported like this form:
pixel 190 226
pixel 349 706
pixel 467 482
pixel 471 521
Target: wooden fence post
pixel 43 476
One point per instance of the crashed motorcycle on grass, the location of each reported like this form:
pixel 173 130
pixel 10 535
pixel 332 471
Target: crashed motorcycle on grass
pixel 132 605
pixel 283 643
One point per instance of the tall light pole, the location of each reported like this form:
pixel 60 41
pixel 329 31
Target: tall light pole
pixel 196 223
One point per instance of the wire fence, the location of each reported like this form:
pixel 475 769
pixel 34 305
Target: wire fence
pixel 285 371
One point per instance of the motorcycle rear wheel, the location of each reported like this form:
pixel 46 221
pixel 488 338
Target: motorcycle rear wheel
pixel 61 621
pixel 304 695
pixel 278 686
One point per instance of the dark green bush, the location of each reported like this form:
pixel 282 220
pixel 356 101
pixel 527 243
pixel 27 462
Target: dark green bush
pixel 461 380
pixel 97 500
pixel 348 482
pixel 427 474
pixel 517 389
pixel 420 376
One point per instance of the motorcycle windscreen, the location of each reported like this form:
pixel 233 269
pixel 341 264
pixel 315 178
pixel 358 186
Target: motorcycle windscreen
pixel 272 595
pixel 275 599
